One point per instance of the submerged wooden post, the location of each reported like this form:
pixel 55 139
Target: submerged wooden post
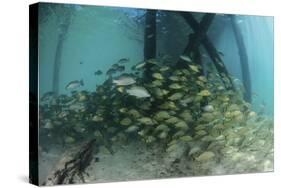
pixel 246 77
pixel 149 40
pixel 196 38
pixel 200 33
pixel 211 50
pixel 57 65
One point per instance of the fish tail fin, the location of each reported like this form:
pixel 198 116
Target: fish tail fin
pixel 82 82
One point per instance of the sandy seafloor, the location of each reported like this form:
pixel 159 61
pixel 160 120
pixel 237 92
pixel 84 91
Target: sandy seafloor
pixel 135 161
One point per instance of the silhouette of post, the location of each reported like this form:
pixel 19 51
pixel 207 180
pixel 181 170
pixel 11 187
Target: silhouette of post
pixel 195 39
pixel 211 50
pixel 57 65
pixel 243 59
pixel 149 41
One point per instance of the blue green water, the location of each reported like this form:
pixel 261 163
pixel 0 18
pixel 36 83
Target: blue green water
pixel 99 36
pixel 182 111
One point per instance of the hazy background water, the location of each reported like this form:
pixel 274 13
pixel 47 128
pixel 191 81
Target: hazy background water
pixel 99 36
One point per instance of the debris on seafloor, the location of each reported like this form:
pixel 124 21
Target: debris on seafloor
pixel 71 167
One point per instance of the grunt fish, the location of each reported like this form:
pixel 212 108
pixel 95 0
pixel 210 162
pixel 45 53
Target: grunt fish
pixel 138 66
pixel 124 81
pixel 110 72
pixel 115 66
pixel 208 108
pixel 138 91
pixel 185 58
pixel 98 72
pixel 120 68
pixel 74 84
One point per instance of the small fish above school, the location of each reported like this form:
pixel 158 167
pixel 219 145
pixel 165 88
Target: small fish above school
pixel 138 91
pixel 185 58
pixel 124 60
pixel 124 81
pixel 74 84
pixel 98 72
